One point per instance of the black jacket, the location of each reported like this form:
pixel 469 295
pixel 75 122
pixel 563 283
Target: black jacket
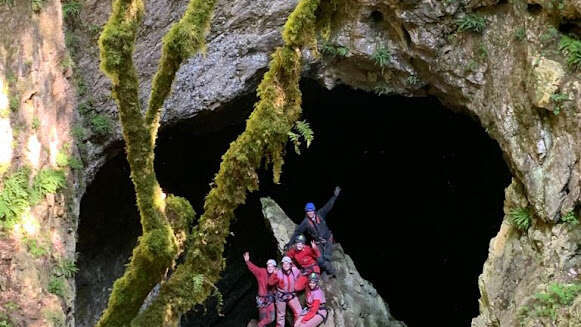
pixel 317 231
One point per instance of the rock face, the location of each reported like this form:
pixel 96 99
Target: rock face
pixel 352 301
pixel 504 76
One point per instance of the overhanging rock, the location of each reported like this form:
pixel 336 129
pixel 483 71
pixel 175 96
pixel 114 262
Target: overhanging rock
pixel 352 301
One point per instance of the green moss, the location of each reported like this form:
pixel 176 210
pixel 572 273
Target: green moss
pixel 56 286
pixel 35 123
pixel 35 248
pixel 158 246
pixel 36 5
pixel 184 39
pixel 547 304
pixel 55 317
pixel 71 9
pixel 265 137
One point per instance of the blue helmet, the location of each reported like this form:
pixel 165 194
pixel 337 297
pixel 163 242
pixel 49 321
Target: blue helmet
pixel 310 206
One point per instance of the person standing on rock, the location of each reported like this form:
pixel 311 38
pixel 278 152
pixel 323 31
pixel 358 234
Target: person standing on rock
pixel 305 256
pixel 315 313
pixel 285 280
pixel 315 225
pixel 265 299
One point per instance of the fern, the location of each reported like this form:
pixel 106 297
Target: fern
pixel 66 268
pixel 471 22
pixel 45 182
pixel 571 48
pixel 303 129
pixel 306 132
pixel 14 197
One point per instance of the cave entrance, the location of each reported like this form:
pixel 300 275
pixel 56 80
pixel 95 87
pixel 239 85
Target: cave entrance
pixel 423 191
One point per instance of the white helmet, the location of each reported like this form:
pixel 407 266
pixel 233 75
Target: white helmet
pixel 271 262
pixel 286 259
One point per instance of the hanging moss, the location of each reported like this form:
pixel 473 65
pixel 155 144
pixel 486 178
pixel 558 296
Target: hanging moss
pixel 183 40
pixel 265 137
pixel 160 243
pixel 180 215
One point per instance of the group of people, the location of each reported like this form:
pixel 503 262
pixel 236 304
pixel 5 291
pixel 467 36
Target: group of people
pixel 300 270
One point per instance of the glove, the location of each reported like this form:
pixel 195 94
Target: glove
pixel 337 191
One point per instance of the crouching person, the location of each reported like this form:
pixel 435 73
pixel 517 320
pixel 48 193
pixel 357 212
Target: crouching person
pixel 305 256
pixel 265 298
pixel 285 280
pixel 316 312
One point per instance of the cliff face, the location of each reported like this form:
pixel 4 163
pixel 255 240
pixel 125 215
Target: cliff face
pixel 41 181
pixel 511 76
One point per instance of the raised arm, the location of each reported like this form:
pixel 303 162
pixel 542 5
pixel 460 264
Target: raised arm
pixel 252 267
pixel 329 205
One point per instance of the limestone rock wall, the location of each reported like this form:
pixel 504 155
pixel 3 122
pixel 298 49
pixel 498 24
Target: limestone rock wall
pixel 37 101
pixel 506 77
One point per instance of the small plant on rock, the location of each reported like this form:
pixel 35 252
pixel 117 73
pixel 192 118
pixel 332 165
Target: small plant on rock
pixel 520 218
pixel 333 51
pixel 383 89
pixel 66 268
pixel 101 124
pixel 413 80
pixel 37 5
pixel 381 56
pixel 56 286
pixel 557 99
pixel 570 218
pixel 571 48
pixel 471 22
pixel 36 249
pixel 550 34
pixel 71 9
pixel 520 34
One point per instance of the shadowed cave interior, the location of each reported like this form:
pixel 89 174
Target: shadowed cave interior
pixel 423 190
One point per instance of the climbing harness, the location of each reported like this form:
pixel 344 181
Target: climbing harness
pixel 264 301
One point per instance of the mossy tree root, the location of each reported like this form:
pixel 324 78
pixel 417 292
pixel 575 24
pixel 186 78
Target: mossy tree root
pixel 158 246
pixel 265 137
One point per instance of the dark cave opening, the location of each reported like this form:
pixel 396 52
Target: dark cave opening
pixel 423 190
